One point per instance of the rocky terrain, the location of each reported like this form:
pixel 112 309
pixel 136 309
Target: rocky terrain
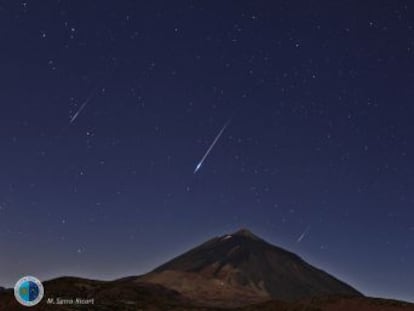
pixel 241 268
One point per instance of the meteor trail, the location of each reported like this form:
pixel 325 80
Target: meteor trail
pixel 302 236
pixel 87 100
pixel 200 164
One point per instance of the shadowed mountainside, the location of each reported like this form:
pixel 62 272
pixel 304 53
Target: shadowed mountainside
pixel 242 268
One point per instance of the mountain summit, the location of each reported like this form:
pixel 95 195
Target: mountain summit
pixel 240 268
pixel 246 233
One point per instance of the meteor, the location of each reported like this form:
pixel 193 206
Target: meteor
pixel 302 236
pixel 200 164
pixel 87 100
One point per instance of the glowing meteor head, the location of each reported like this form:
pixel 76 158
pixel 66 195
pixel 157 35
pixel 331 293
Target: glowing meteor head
pixel 198 167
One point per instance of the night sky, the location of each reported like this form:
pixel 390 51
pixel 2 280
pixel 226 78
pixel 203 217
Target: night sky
pixel 107 107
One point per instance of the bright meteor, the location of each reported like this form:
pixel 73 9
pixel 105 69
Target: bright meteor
pixel 87 100
pixel 200 164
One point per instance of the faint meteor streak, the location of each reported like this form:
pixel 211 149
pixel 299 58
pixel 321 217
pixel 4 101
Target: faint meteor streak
pixel 302 236
pixel 87 100
pixel 200 164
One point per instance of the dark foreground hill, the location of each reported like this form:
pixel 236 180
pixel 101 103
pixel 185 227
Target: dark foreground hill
pixel 233 272
pixel 127 296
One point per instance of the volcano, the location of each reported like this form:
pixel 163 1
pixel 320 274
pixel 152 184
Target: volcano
pixel 238 271
pixel 241 268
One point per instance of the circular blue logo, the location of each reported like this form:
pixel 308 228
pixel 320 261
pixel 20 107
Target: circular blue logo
pixel 29 291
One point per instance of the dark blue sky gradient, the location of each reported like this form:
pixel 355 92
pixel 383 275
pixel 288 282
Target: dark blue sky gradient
pixel 320 93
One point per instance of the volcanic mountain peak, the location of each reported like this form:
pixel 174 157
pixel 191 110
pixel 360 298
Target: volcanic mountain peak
pixel 245 233
pixel 242 264
pixel 233 270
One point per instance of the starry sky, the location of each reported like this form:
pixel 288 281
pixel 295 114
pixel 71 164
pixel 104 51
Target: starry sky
pixel 107 107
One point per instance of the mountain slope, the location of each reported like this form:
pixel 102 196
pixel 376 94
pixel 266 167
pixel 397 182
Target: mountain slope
pixel 241 268
pixel 234 272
